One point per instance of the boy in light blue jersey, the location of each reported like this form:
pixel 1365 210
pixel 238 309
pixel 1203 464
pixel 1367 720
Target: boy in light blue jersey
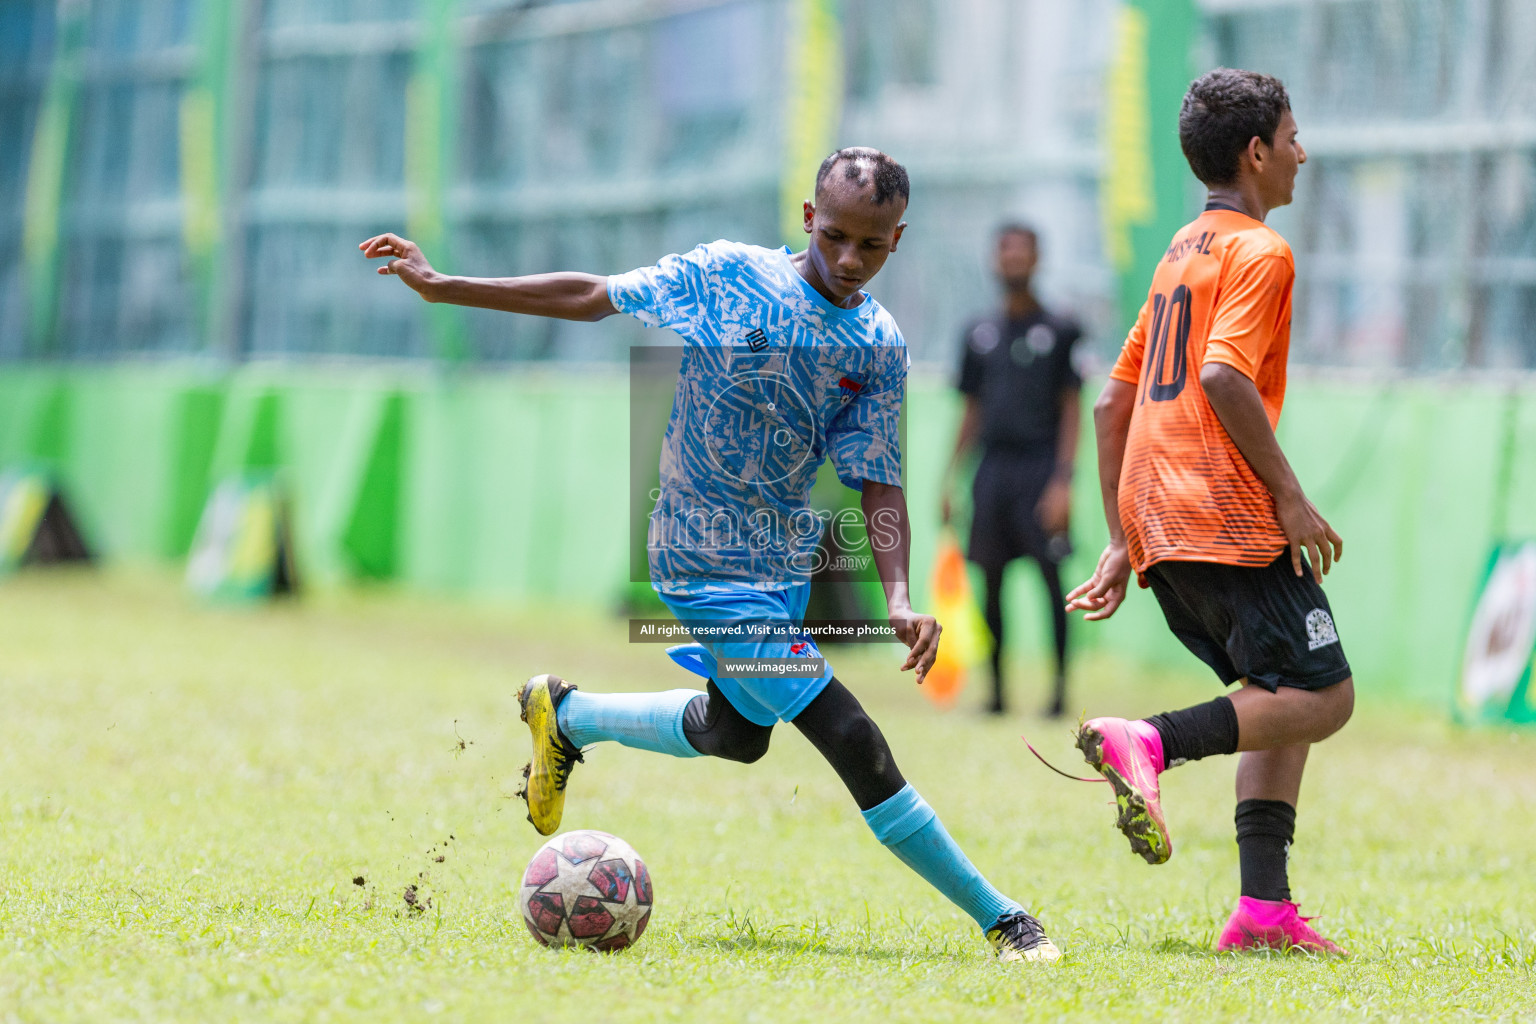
pixel 787 362
pixel 774 380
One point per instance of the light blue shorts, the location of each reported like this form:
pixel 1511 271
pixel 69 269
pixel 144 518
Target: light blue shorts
pixel 764 701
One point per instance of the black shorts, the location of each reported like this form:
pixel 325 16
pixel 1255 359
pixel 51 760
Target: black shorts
pixel 1005 500
pixel 1266 625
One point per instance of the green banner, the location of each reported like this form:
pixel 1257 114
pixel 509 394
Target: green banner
pixel 516 486
pixel 813 89
pixel 431 111
pixel 47 167
pixel 1146 182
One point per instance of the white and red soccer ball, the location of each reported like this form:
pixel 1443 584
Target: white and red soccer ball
pixel 586 889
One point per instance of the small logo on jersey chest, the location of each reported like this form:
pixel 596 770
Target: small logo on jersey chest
pixel 1036 343
pixel 1040 339
pixel 757 340
pixel 984 338
pixel 1320 631
pixel 850 385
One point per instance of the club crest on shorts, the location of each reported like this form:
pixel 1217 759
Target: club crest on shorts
pixel 1320 631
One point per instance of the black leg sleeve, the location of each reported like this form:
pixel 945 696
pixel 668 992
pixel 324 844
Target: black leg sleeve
pixel 853 745
pixel 716 728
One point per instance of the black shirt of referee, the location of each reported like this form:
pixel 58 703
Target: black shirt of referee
pixel 1022 406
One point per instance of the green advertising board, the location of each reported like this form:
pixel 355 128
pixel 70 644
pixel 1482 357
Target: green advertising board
pixel 242 550
pixel 35 524
pixel 23 497
pixel 1495 681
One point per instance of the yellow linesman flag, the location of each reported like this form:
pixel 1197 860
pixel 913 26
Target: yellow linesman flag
pixel 966 641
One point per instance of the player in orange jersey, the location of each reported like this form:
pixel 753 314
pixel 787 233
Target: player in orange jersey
pixel 1203 506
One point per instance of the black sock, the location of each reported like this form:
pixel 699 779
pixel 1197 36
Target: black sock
pixel 1200 731
pixel 1265 829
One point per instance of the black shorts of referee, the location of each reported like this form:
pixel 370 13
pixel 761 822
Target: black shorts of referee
pixel 1005 520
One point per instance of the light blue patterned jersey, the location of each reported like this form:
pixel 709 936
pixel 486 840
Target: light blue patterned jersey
pixel 775 380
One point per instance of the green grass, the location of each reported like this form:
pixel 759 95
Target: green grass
pixel 186 795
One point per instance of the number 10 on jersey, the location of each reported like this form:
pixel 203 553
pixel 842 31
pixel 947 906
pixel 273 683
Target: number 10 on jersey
pixel 1167 366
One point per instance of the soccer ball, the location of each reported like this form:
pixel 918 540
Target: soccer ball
pixel 586 889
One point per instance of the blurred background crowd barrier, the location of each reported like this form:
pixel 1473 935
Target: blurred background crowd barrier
pixel 183 184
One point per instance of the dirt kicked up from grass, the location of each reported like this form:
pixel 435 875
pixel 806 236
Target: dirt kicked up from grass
pixel 306 813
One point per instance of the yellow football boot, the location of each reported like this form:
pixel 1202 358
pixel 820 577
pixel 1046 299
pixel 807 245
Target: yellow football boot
pixel 1018 938
pixel 545 775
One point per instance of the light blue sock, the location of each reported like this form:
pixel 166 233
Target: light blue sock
pixel 648 721
pixel 913 832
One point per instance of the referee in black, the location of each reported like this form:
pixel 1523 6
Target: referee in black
pixel 1022 403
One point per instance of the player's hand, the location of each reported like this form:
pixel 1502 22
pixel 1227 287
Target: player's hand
pixel 1104 591
pixel 921 634
pixel 405 261
pixel 1054 510
pixel 1308 532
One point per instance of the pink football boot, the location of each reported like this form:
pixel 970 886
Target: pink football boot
pixel 1130 757
pixel 1271 924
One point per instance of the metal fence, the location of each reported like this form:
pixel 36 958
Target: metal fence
pixel 1415 222
pixel 597 135
pixel 193 175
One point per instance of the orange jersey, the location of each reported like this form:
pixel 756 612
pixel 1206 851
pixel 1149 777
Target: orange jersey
pixel 1221 293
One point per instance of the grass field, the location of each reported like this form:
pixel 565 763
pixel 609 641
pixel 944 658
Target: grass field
pixel 187 794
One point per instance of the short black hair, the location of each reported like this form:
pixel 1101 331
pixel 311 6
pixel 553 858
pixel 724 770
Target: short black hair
pixel 868 166
pixel 1016 227
pixel 1222 111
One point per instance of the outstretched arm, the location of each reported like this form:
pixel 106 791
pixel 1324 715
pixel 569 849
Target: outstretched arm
pixel 1105 589
pixel 567 296
pixel 890 539
pixel 1236 402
